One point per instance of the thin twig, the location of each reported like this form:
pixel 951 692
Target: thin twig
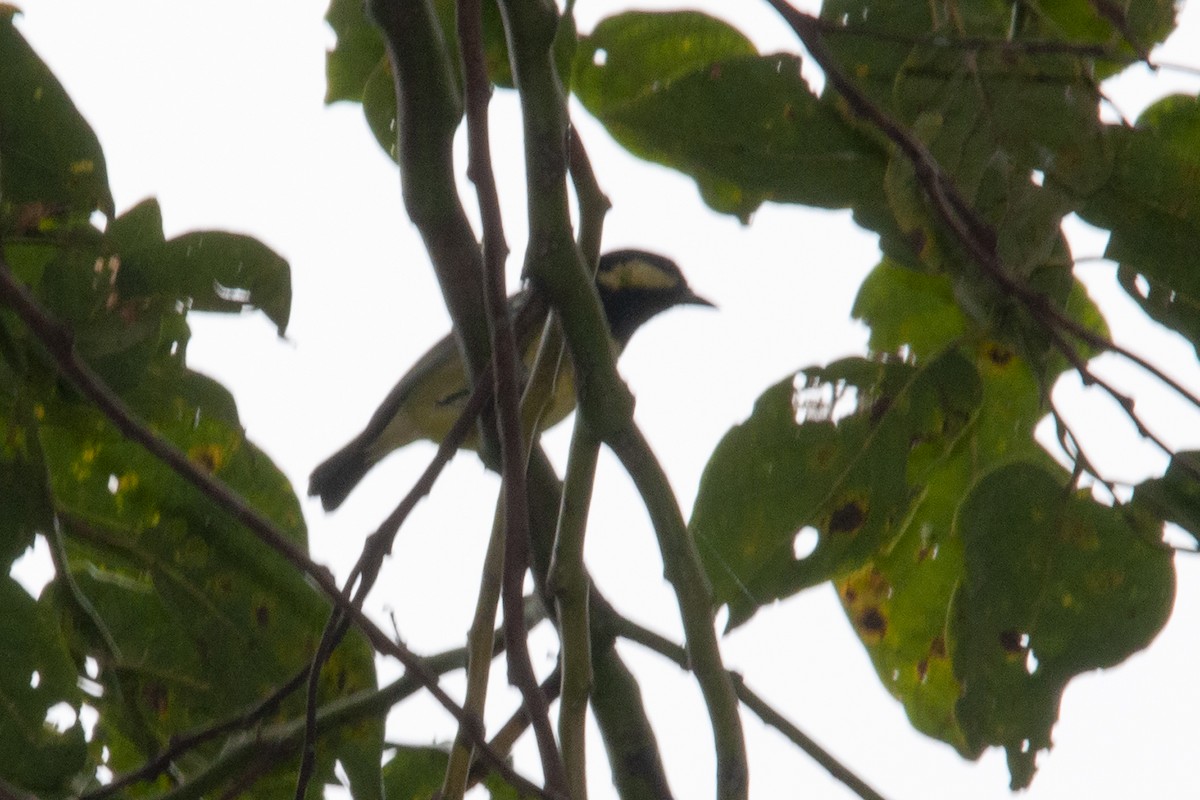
pixel 628 629
pixel 508 734
pixel 507 391
pixel 366 570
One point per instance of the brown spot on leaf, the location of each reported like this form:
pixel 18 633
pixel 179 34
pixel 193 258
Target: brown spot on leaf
pixel 847 518
pixel 154 696
pixel 880 407
pixel 714 71
pixel 998 354
pixel 937 648
pixel 872 624
pixel 922 669
pixel 262 616
pixel 1013 641
pixel 208 456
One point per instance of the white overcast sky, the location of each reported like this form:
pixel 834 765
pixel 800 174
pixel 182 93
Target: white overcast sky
pixel 216 109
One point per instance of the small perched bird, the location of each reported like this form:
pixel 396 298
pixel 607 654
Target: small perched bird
pixel 633 285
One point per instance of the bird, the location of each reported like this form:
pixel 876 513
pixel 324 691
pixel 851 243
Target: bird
pixel 634 286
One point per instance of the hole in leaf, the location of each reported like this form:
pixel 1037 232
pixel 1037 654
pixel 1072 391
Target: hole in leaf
pixel 35 680
pixel 91 667
pixel 1142 286
pixel 88 717
pixel 600 58
pixel 1031 663
pixel 1038 177
pixel 114 483
pixel 61 716
pixel 825 402
pixel 805 543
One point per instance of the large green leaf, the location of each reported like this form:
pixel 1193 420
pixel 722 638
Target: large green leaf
pixel 212 270
pixel 51 164
pixel 867 434
pixel 1054 585
pixel 899 600
pixel 687 91
pixel 1151 203
pixel 205 620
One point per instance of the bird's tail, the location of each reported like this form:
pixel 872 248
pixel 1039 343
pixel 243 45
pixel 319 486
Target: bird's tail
pixel 337 476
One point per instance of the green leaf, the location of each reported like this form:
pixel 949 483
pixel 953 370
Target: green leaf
pixel 51 164
pixel 908 309
pixel 212 270
pixel 635 54
pixel 36 674
pixel 24 507
pixel 1175 497
pixel 356 53
pixel 207 619
pixel 899 600
pixel 867 434
pixel 687 91
pixel 1054 585
pixel 1151 204
pixel 415 773
pixel 357 69
pixel 898 603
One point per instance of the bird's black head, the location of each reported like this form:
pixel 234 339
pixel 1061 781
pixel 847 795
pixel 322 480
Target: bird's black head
pixel 635 285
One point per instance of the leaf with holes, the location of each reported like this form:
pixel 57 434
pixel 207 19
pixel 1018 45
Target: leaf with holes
pixel 899 600
pixel 36 675
pixel 1054 585
pixel 848 469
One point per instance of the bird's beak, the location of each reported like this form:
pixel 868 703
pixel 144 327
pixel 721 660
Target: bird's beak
pixel 694 299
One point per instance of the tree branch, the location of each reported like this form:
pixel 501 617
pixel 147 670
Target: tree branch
pixel 428 111
pixel 630 630
pixel 507 392
pixel 685 573
pixel 552 259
